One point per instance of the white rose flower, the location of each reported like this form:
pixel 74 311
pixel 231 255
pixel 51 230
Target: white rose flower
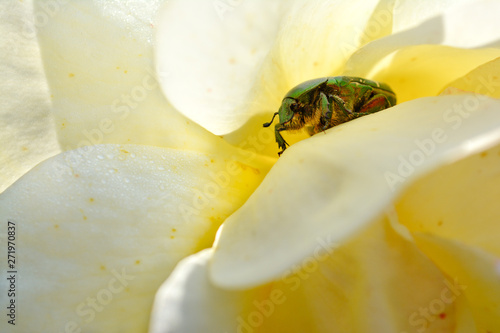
pixel 132 131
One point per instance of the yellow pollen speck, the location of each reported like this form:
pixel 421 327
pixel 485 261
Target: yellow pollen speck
pixel 137 262
pixel 232 61
pixel 25 148
pixel 212 161
pixel 117 67
pixel 174 230
pixel 214 219
pixel 56 226
pixel 125 72
pixel 91 199
pixel 71 75
pixel 245 167
pixel 84 217
pixel 484 154
pixel 172 237
pixel 102 267
pixel 440 223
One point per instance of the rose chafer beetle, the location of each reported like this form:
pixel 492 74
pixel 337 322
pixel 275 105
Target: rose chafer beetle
pixel 320 104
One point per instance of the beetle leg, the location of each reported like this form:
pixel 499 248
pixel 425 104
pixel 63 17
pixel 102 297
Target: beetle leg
pixel 327 116
pixel 341 104
pixel 279 138
pixel 326 111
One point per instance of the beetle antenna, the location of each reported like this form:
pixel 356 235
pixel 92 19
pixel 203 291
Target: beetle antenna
pixel 269 123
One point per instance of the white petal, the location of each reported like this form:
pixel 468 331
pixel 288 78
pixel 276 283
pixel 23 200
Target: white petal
pixel 224 72
pixel 471 25
pixel 409 14
pixel 210 52
pixel 85 217
pixel 315 40
pixel 340 182
pixel 98 59
pixel 27 133
pixel 458 202
pixel 188 303
pixel 361 286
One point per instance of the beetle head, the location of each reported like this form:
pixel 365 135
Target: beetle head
pixel 285 112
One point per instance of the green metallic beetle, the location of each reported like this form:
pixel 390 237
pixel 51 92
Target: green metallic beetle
pixel 322 103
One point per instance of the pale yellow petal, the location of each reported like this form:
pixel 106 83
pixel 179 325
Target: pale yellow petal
pixel 27 133
pixel 97 230
pixel 337 183
pixel 476 274
pixel 458 201
pixel 98 58
pixel 419 71
pixel 484 79
pixel 464 319
pixel 377 282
